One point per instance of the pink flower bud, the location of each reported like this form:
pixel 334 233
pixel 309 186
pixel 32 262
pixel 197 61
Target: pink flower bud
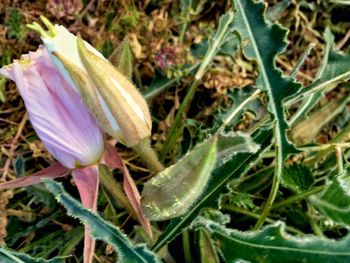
pixel 56 111
pixel 114 101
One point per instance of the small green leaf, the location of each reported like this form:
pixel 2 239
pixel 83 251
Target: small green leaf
pixel 101 229
pixel 8 256
pixel 161 83
pixel 334 201
pixel 297 178
pixel 272 244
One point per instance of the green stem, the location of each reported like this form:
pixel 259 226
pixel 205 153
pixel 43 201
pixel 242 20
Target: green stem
pixel 149 156
pixel 114 188
pixel 275 184
pixel 238 109
pixel 298 197
pixel 257 216
pixel 315 227
pixel 186 246
pixel 339 157
pixel 324 153
pixel 171 138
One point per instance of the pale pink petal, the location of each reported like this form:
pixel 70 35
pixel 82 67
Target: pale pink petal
pixel 53 171
pixel 87 179
pixel 56 111
pixel 112 159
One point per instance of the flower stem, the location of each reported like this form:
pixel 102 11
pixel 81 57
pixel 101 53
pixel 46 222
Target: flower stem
pixel 149 156
pixel 114 188
pixel 274 188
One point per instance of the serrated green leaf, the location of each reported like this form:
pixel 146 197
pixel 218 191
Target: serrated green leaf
pixel 272 244
pixel 297 178
pixel 221 175
pixel 263 42
pixel 101 229
pixel 334 201
pixel 7 256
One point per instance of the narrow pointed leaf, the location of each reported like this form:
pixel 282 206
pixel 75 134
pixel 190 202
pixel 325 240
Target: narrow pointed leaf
pixel 54 171
pixel 276 11
pixel 113 160
pixel 258 35
pixel 101 229
pixel 272 244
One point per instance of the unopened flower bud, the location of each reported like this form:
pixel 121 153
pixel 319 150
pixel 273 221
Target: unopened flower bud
pixel 117 105
pixel 124 101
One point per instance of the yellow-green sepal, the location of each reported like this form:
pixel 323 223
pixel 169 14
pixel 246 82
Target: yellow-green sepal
pixel 122 58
